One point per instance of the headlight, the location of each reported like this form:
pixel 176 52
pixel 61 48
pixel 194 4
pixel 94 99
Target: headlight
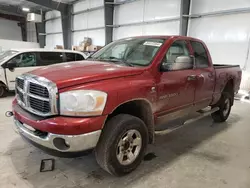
pixel 82 103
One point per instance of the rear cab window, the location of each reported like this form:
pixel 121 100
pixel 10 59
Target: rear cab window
pixel 200 54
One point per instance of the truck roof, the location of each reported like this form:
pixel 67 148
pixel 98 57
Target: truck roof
pixel 166 37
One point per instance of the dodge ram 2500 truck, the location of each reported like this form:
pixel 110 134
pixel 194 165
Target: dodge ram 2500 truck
pixel 113 101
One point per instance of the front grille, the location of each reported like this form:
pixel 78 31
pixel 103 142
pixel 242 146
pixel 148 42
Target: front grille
pixel 20 83
pixel 38 90
pixel 37 95
pixel 20 95
pixel 39 105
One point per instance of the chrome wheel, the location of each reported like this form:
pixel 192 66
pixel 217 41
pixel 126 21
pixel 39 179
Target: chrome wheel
pixel 226 107
pixel 129 147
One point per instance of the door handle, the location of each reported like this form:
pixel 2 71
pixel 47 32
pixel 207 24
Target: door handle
pixel 191 77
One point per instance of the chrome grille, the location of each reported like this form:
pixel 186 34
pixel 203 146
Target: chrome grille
pixel 36 94
pixel 20 83
pixel 38 90
pixel 39 105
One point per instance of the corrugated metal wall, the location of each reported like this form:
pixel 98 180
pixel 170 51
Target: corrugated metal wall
pixel 225 28
pixel 88 21
pixel 141 18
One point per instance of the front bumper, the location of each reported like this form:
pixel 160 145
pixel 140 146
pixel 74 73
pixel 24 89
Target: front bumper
pixel 60 143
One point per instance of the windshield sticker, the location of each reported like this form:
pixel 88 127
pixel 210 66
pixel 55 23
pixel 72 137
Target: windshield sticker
pixel 148 43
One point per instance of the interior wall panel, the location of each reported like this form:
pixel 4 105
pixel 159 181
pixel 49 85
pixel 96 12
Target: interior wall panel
pixel 165 9
pixel 10 30
pixel 165 28
pixel 226 36
pixel 143 11
pixel 53 26
pixel 129 13
pixel 129 31
pixel 97 36
pixel 52 14
pixel 53 40
pixel 204 6
pixel 87 4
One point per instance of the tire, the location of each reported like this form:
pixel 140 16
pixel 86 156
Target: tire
pixel 3 91
pixel 109 147
pixel 225 105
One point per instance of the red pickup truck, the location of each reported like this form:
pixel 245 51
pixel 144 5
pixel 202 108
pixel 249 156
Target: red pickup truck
pixel 114 100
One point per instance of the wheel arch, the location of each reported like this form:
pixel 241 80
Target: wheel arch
pixel 140 108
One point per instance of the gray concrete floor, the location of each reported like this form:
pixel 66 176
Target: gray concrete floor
pixel 202 154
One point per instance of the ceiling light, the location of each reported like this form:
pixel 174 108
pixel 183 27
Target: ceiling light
pixel 25 9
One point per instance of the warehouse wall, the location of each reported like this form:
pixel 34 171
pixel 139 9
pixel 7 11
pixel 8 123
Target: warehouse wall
pixel 136 18
pixel 227 35
pixel 88 21
pixel 53 29
pixel 10 30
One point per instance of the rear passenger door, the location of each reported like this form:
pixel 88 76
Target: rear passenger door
pixel 205 76
pixel 50 58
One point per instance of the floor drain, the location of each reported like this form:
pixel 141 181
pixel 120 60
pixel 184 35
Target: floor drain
pixel 149 156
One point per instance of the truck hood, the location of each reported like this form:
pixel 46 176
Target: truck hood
pixel 74 73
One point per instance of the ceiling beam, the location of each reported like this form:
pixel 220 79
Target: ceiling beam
pixel 12 10
pixel 51 4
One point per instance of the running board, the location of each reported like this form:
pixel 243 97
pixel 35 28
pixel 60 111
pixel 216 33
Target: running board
pixel 202 115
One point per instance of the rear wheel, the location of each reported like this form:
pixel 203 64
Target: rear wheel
pixel 224 105
pixel 3 91
pixel 122 144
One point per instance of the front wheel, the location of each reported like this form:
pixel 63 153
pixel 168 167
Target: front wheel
pixel 122 144
pixel 225 105
pixel 3 91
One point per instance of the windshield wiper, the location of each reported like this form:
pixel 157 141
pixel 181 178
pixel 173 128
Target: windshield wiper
pixel 115 59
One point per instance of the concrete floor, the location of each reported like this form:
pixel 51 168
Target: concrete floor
pixel 201 154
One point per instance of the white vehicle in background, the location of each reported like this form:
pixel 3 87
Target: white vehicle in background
pixel 13 63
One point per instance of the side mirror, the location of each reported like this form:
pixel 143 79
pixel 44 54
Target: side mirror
pixel 11 64
pixel 181 63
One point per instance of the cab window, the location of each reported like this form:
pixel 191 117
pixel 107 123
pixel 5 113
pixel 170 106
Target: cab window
pixel 178 48
pixel 200 54
pixel 24 60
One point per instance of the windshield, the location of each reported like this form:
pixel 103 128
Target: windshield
pixel 131 51
pixel 6 54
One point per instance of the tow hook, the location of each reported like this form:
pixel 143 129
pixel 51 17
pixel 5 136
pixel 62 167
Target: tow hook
pixel 9 114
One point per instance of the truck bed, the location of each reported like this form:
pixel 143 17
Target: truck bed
pixel 224 73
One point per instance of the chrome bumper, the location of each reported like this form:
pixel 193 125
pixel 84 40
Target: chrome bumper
pixel 73 143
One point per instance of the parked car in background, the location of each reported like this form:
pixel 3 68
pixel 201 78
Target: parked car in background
pixel 16 62
pixel 114 101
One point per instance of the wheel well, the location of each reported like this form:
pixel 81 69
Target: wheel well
pixel 138 108
pixel 229 88
pixel 3 84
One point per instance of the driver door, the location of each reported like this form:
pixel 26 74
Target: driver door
pixel 18 65
pixel 176 88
